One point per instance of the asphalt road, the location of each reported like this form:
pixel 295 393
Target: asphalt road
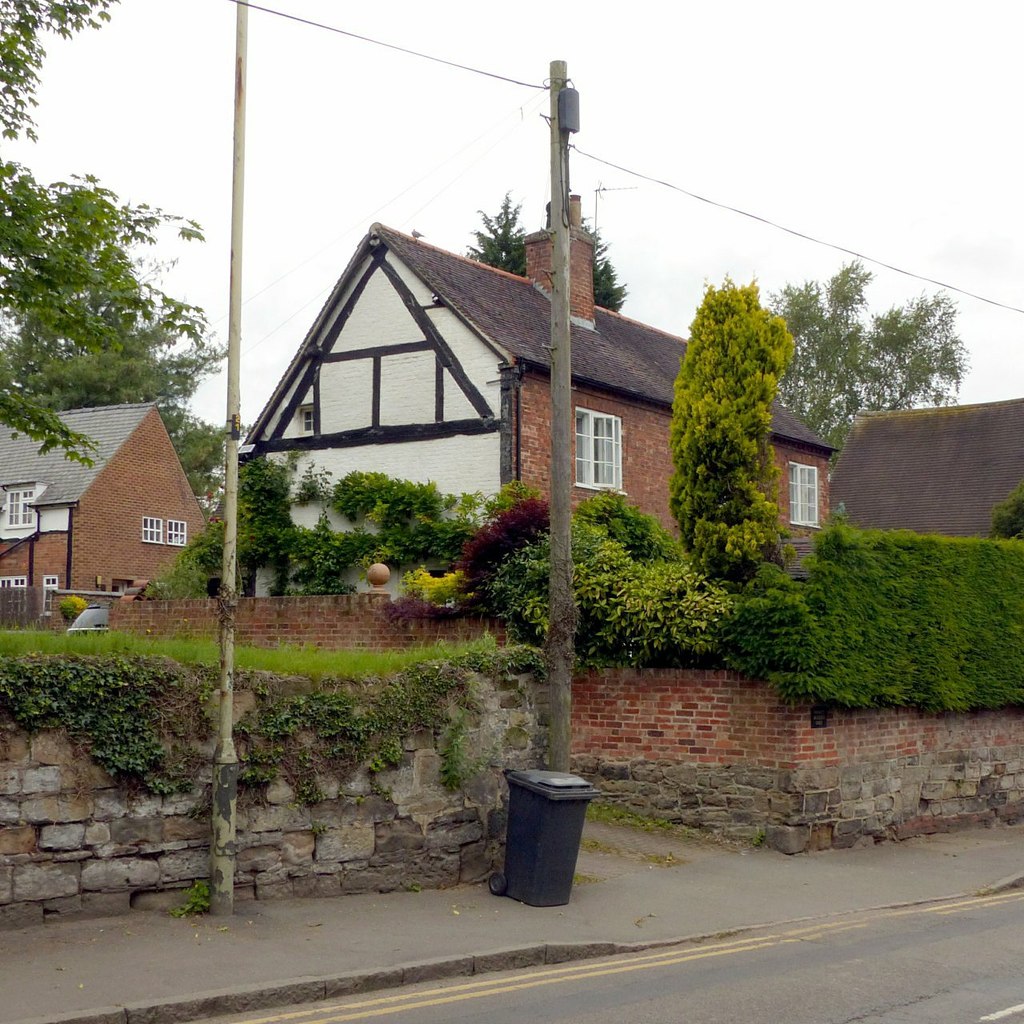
pixel 957 961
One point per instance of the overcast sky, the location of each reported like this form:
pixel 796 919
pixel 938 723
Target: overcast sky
pixel 890 128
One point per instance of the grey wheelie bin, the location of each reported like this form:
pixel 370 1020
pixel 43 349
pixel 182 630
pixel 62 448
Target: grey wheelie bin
pixel 545 823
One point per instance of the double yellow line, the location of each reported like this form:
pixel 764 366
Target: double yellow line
pixel 405 1002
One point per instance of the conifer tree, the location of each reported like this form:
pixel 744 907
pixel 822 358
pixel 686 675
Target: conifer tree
pixel 724 485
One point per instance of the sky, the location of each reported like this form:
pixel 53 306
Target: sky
pixel 890 129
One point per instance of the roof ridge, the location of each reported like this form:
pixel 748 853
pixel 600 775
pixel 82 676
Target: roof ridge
pixel 925 410
pixel 108 408
pixel 518 278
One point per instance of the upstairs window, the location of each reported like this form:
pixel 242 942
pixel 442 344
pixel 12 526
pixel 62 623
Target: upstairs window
pixel 177 532
pixel 18 511
pixel 803 494
pixel 306 418
pixel 152 530
pixel 598 449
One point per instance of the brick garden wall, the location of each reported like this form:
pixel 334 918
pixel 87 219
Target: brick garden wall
pixel 716 750
pixel 333 622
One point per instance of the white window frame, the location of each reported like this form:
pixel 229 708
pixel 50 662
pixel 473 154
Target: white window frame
pixel 13 582
pixel 18 511
pixel 177 532
pixel 598 450
pixel 152 530
pixel 803 494
pixel 51 582
pixel 306 419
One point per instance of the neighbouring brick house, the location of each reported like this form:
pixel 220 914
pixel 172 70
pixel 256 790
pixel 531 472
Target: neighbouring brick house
pixel 75 527
pixel 429 366
pixel 931 470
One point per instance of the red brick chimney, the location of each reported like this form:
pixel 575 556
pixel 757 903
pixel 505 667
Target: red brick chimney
pixel 581 264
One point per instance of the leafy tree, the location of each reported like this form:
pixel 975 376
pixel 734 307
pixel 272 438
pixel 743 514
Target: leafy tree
pixel 64 243
pixel 140 362
pixel 1008 515
pixel 848 359
pixel 725 477
pixel 502 244
pixel 608 293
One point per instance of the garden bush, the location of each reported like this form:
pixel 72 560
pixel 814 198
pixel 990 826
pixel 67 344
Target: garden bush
pixel 890 618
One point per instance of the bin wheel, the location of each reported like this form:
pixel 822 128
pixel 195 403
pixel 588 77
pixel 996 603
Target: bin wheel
pixel 497 884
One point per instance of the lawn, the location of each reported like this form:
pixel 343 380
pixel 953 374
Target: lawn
pixel 301 661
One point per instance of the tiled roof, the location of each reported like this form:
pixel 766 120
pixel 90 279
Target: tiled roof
pixel 109 426
pixel 931 470
pixel 619 354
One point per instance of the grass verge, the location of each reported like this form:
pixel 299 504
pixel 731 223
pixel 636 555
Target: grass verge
pixel 311 662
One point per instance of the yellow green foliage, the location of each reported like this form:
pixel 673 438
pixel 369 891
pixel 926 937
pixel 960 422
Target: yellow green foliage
pixel 725 480
pixel 438 590
pixel 72 606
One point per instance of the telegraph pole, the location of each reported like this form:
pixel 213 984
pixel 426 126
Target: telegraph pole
pixel 560 649
pixel 225 758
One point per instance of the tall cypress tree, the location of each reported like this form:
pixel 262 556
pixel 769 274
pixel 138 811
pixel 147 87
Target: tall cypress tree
pixel 725 478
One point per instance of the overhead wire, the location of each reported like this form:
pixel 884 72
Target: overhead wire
pixel 797 234
pixel 362 220
pixel 388 46
pixel 631 171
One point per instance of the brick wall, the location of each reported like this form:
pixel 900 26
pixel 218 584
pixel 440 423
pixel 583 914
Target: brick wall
pixel 793 452
pixel 334 622
pixel 716 750
pixel 144 478
pixel 47 554
pixel 646 458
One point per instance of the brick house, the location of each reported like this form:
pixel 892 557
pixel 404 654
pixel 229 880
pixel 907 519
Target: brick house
pixel 931 470
pixel 426 365
pixel 64 525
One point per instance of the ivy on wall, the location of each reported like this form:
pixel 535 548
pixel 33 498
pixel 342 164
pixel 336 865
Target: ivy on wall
pixel 143 719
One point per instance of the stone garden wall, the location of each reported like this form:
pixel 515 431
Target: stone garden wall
pixel 716 750
pixel 74 842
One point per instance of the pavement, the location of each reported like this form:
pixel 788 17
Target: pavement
pixel 634 890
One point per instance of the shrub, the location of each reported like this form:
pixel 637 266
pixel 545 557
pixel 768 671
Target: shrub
pixel 890 618
pixel 630 613
pixel 505 532
pixel 1008 515
pixel 643 537
pixel 439 590
pixel 72 606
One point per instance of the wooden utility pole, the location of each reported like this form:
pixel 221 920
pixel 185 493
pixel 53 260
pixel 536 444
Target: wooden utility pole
pixel 560 651
pixel 225 758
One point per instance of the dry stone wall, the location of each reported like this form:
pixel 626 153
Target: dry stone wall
pixel 72 841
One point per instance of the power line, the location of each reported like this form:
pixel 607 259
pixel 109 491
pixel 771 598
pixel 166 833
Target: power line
pixel 388 46
pixel 799 234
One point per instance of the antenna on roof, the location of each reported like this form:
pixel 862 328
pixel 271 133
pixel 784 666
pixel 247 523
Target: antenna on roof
pixel 601 188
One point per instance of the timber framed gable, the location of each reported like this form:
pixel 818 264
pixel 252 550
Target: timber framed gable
pixel 376 368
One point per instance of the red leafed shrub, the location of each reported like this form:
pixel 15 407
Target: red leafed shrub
pixel 503 534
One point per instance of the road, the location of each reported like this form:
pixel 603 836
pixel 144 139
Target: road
pixel 957 961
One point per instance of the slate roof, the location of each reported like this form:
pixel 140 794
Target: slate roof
pixel 619 354
pixel 109 426
pixel 931 470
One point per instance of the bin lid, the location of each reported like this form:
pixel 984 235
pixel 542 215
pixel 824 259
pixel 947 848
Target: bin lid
pixel 554 782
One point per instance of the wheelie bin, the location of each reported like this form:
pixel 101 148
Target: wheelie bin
pixel 545 822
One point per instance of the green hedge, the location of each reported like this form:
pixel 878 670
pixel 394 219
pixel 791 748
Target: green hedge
pixel 889 618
